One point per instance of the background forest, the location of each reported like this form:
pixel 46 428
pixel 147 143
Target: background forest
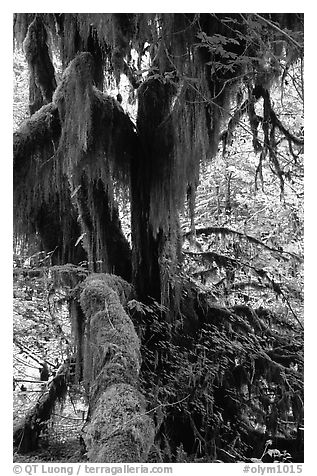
pixel 158 237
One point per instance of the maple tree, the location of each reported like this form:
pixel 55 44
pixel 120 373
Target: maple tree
pixel 216 298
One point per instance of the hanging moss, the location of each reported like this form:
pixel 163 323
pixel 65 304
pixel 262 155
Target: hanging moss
pixel 96 134
pixel 106 245
pixel 182 107
pixel 198 79
pixel 192 111
pixel 95 150
pixel 45 178
pixel 154 126
pixel 33 149
pixel 181 110
pixel 42 202
pixel 74 101
pixel 36 133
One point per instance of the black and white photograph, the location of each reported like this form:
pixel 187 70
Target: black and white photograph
pixel 158 241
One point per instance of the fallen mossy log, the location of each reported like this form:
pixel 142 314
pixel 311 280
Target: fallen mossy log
pixel 118 430
pixel 27 431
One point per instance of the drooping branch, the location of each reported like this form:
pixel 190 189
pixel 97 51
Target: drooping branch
pixel 232 263
pixel 269 124
pixel 227 231
pixel 234 121
pixel 107 247
pixel 24 349
pixel 269 117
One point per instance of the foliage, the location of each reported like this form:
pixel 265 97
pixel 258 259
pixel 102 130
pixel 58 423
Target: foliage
pixel 247 243
pixel 20 92
pixel 221 380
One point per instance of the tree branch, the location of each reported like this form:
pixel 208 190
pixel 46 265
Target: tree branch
pixel 275 27
pixel 225 261
pixel 227 231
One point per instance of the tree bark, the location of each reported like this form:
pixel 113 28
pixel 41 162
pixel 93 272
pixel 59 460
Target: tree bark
pixel 147 172
pixel 145 247
pixel 107 248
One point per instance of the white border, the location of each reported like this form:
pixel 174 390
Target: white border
pixel 6 78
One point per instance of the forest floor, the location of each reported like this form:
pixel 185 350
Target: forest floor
pixel 69 451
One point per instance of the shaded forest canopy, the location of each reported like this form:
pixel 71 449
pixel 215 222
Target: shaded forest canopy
pixel 208 370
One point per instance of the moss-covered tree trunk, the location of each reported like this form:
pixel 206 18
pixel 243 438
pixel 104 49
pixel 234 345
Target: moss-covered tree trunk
pixel 154 209
pixel 119 429
pixel 41 70
pixel 108 249
pixel 145 247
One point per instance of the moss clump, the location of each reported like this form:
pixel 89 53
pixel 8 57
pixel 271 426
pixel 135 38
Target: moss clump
pixel 123 289
pixel 97 136
pixel 73 98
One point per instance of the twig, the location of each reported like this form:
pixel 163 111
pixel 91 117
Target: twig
pixel 31 381
pixel 23 348
pixel 26 364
